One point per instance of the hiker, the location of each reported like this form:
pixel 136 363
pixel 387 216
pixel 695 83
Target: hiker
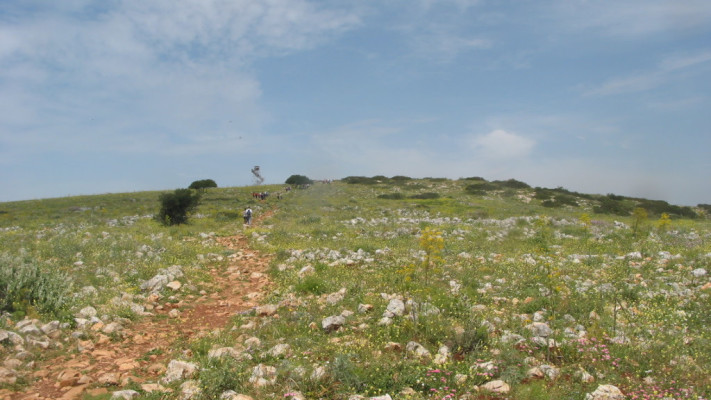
pixel 247 216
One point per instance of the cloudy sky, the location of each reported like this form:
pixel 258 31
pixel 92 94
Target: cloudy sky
pixel 125 95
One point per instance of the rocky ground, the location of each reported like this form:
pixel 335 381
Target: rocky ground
pixel 108 356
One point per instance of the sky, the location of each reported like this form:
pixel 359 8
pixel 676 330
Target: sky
pixel 113 96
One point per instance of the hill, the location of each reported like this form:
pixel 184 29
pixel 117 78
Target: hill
pixel 408 288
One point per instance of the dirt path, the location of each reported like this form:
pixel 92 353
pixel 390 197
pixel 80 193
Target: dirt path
pixel 142 353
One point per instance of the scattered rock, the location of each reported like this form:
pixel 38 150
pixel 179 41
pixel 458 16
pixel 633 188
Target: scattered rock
pixel 124 394
pixel 266 310
pixel 605 392
pixel 497 386
pixel 333 323
pixel 540 329
pixel 178 370
pixel 418 350
pixel 396 308
pixel 68 377
pixel 109 379
pixel 190 390
pixel 263 375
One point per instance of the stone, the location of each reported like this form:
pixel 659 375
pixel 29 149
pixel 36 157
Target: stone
pixel 395 308
pixel 252 342
pixel 124 394
pixel 113 327
pixel 74 393
pixel 333 323
pixel 442 356
pixel 154 387
pixel 155 284
pixel 418 350
pixel 605 392
pixel 306 271
pixel 584 376
pixel 319 373
pixel 365 308
pixel 109 379
pixel 550 371
pixel 31 330
pixel 699 272
pixel 68 377
pixel 280 350
pixel 535 373
pixel 336 297
pixel 263 375
pixel 497 386
pixel 540 329
pixel 12 363
pixel 87 312
pixel 228 352
pixel 266 310
pixel 8 375
pixel 51 328
pixel 232 395
pixel 190 390
pixel 179 370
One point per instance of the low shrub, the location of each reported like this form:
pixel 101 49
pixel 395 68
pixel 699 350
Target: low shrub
pixel 611 204
pixel 511 184
pixel 425 196
pixel 392 196
pixel 26 288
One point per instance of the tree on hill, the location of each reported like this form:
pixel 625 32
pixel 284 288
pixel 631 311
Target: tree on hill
pixel 203 184
pixel 298 180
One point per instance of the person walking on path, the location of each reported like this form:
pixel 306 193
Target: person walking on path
pixel 247 216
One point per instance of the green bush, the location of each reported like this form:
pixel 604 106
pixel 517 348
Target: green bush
pixel 425 196
pixel 298 180
pixel 203 184
pixel 353 180
pixel 25 288
pixel 480 188
pixel 176 206
pixel 392 196
pixel 658 207
pixel 612 204
pixel 511 184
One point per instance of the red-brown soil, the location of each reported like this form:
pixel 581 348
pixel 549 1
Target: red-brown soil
pixel 145 347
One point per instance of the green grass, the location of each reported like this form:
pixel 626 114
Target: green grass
pixel 506 257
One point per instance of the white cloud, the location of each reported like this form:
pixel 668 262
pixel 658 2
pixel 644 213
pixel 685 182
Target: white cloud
pixel 499 144
pixel 147 76
pixel 633 18
pixel 669 68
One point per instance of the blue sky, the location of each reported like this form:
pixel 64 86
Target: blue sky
pixel 121 96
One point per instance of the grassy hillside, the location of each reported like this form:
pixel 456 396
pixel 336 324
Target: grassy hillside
pixel 435 287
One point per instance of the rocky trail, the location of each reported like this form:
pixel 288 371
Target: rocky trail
pixel 142 350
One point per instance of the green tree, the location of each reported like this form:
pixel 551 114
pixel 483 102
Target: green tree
pixel 176 206
pixel 203 184
pixel 298 180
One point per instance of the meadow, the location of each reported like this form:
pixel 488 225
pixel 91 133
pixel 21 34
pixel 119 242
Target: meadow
pixel 401 288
